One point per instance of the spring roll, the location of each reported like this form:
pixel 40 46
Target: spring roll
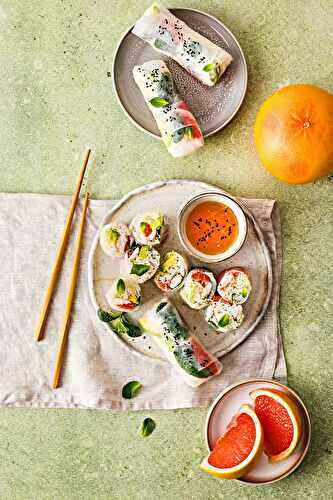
pixel 171 36
pixel 186 353
pixel 179 129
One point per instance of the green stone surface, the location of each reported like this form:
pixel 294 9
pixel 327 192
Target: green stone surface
pixel 56 98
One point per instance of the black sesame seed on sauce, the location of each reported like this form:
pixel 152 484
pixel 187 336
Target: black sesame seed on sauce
pixel 211 228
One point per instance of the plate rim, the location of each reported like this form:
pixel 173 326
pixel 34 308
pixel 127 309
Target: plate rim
pixel 279 384
pixel 224 124
pixel 159 184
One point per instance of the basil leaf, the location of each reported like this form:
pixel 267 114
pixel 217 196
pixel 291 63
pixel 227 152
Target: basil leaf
pixel 113 236
pixel 143 226
pixel 140 269
pixel 209 67
pixel 195 49
pixel 131 389
pixel 148 426
pixel 225 320
pixel 132 329
pixel 107 317
pixel 165 88
pixel 160 306
pixel 244 293
pixel 120 287
pixel 123 326
pixel 178 135
pixel 189 132
pixel 158 102
pixel 118 326
pixel 160 44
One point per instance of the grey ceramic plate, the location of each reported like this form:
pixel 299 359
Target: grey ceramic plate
pixel 213 107
pixel 169 196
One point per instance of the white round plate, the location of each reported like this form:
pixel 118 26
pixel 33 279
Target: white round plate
pixel 227 404
pixel 168 197
pixel 213 107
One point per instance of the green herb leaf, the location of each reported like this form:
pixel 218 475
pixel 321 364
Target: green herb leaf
pixel 148 426
pixel 160 44
pixel 139 269
pixel 107 317
pixel 160 306
pixel 209 67
pixel 113 236
pixel 120 286
pixel 131 389
pixel 225 320
pixel 143 226
pixel 123 326
pixel 118 326
pixel 158 102
pixel 144 252
pixel 178 135
pixel 244 292
pixel 189 132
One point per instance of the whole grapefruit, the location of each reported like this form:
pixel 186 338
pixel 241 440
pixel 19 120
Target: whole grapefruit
pixel 293 133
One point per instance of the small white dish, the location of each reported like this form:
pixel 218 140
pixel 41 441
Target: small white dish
pixel 227 404
pixel 219 198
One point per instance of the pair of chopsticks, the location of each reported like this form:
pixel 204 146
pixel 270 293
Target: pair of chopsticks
pixel 63 334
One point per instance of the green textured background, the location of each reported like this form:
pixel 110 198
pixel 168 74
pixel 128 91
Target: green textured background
pixel 55 99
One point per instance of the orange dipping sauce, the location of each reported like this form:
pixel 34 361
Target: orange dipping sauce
pixel 211 227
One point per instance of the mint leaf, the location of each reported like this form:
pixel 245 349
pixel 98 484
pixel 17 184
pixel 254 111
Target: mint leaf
pixel 160 44
pixel 148 426
pixel 209 67
pixel 158 102
pixel 131 389
pixel 113 236
pixel 140 269
pixel 189 132
pixel 107 317
pixel 120 286
pixel 225 320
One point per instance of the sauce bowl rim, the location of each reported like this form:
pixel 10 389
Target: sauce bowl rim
pixel 215 258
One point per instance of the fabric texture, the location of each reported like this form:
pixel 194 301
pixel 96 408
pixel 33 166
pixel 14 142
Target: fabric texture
pixel 96 366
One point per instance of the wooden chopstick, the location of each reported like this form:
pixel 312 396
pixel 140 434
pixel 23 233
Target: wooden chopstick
pixel 63 336
pixel 60 254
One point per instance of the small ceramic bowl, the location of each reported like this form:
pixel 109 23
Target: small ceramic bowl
pixel 220 198
pixel 227 404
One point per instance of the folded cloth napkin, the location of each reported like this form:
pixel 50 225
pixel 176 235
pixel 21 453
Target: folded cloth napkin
pixel 96 365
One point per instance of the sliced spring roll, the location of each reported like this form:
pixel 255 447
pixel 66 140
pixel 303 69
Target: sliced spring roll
pixel 224 317
pixel 234 286
pixel 199 287
pixel 172 272
pixel 142 262
pixel 149 229
pixel 115 239
pixel 184 350
pixel 124 295
pixel 171 36
pixel 179 129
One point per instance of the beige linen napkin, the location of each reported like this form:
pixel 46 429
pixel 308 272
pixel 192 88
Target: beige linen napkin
pixel 96 365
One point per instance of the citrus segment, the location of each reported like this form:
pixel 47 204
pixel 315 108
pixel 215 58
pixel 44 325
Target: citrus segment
pixel 281 422
pixel 237 450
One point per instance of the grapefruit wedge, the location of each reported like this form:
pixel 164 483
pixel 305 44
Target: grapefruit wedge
pixel 281 421
pixel 237 450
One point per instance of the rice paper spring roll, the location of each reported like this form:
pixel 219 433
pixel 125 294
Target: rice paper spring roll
pixel 171 36
pixel 179 129
pixel 184 350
